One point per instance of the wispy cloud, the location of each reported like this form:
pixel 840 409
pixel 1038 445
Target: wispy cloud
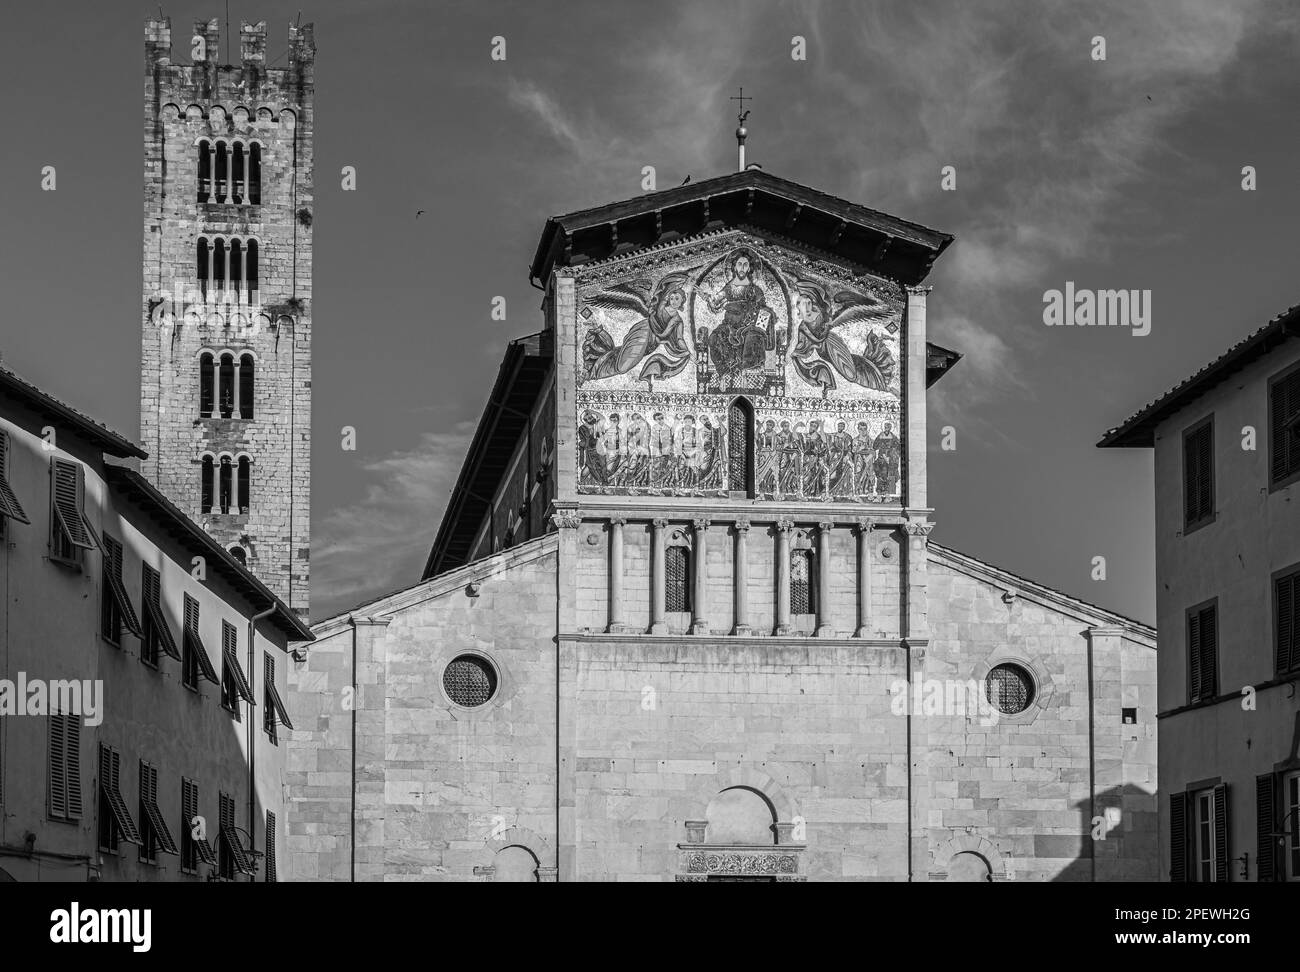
pixel 379 542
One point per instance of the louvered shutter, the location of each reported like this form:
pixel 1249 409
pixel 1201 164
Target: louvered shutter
pixel 1194 656
pixel 9 505
pixel 69 498
pixel 1221 832
pixel 1209 652
pixel 1178 837
pixel 1198 474
pixel 1284 404
pixel 1288 643
pixel 116 589
pixel 72 764
pixel 271 874
pixel 230 650
pixel 58 767
pixel 1265 824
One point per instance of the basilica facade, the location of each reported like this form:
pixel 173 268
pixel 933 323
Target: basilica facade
pixel 683 619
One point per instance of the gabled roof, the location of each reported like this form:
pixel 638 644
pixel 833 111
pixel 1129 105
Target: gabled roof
pixel 96 433
pixel 893 247
pixel 1140 429
pixel 519 382
pixel 176 524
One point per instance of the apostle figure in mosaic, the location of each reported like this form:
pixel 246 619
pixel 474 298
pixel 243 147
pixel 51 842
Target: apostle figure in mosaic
pixel 766 461
pixel 662 458
pixel 709 464
pixel 840 463
pixel 591 461
pixel 740 341
pixel 658 334
pixel 815 451
pixel 790 446
pixel 820 353
pixel 889 453
pixel 611 447
pixel 687 470
pixel 863 457
pixel 636 459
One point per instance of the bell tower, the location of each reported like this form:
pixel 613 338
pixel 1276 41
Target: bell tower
pixel 225 396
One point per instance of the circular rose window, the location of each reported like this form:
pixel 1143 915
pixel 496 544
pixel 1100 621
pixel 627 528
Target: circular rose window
pixel 470 681
pixel 1010 689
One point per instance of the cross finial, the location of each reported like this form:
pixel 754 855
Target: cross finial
pixel 741 131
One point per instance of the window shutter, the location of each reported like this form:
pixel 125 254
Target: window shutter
pixel 1198 474
pixel 69 501
pixel 9 505
pixel 1284 404
pixel 58 770
pixel 271 875
pixel 72 764
pixel 1178 837
pixel 1194 656
pixel 1209 652
pixel 1265 822
pixel 1221 832
pixel 1285 629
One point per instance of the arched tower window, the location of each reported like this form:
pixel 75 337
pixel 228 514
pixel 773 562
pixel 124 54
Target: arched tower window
pixel 255 174
pixel 803 578
pixel 251 269
pixel 206 499
pixel 740 447
pixel 226 386
pixel 219 265
pixel 237 172
pixel 223 168
pixel 236 267
pixel 244 491
pixel 203 263
pixel 239 554
pixel 207 385
pixel 205 171
pixel 246 386
pixel 677 579
pixel 225 484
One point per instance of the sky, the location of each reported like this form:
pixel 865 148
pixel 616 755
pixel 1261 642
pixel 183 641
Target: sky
pixel 1117 173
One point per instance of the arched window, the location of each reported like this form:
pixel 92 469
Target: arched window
pixel 246 386
pixel 223 164
pixel 226 386
pixel 205 170
pixel 803 594
pixel 207 385
pixel 515 864
pixel 740 447
pixel 203 261
pixel 236 267
pixel 239 554
pixel 245 486
pixel 739 815
pixel 237 170
pixel 255 174
pixel 206 499
pixel 251 268
pixel 219 257
pixel 677 579
pixel 224 485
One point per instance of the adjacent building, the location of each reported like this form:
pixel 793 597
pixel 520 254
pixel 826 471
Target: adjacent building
pixel 225 394
pixel 1227 488
pixel 683 620
pixel 142 670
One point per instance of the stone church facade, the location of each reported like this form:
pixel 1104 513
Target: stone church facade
pixel 225 404
pixel 683 619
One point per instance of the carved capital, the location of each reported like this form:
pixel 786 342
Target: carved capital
pixel 617 519
pixel 919 528
pixel 700 523
pixel 785 524
pixel 566 519
pixel 864 524
pixel 917 290
pixel 659 522
pixel 825 526
pixel 741 525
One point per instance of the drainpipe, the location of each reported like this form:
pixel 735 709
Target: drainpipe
pixel 252 729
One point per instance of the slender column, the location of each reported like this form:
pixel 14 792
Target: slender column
pixel 824 629
pixel 234 402
pixel 657 623
pixel 616 523
pixel 234 486
pixel 216 485
pixel 212 267
pixel 864 528
pixel 783 528
pixel 243 270
pixel 212 173
pixel 216 387
pixel 741 574
pixel 699 603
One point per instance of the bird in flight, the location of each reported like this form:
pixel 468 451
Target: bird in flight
pixel 419 213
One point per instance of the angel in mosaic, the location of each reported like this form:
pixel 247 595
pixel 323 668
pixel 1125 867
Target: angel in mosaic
pixel 657 338
pixel 819 352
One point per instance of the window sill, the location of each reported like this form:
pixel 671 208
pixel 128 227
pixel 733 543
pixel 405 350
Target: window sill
pixel 1190 528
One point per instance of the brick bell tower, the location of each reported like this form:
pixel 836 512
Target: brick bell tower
pixel 225 395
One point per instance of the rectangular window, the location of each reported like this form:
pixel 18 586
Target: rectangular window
pixel 1203 862
pixel 1286 624
pixel 271 873
pixel 10 508
pixel 1203 652
pixel 115 823
pixel 803 582
pixel 154 835
pixel 1284 427
pixel 1198 475
pixel 232 857
pixel 677 579
pixel 234 684
pixel 195 848
pixel 273 709
pixel 70 531
pixel 1291 824
pixel 116 604
pixel 157 632
pixel 64 764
